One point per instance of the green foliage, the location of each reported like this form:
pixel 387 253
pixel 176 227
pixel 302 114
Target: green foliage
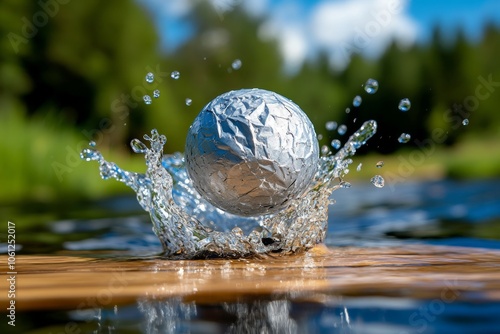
pixel 41 161
pixel 82 74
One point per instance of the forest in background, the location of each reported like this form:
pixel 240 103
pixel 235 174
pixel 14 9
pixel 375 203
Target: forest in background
pixel 79 75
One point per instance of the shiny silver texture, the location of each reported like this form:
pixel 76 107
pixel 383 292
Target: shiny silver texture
pixel 251 151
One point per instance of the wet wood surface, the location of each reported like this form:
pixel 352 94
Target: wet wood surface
pixel 419 271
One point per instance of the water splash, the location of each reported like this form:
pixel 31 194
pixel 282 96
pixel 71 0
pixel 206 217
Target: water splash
pixel 331 125
pixel 371 86
pixel 236 65
pixel 190 227
pixel 378 181
pixel 175 75
pixel 404 105
pixel 404 138
pixel 336 144
pixel 357 101
pixel 325 150
pixel 150 77
pixel 342 129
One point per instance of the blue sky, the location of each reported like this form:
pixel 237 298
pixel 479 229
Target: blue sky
pixel 468 14
pixel 302 27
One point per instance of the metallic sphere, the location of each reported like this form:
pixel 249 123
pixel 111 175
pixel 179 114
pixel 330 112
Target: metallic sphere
pixel 251 151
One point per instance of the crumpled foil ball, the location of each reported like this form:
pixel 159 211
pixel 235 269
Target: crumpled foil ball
pixel 249 152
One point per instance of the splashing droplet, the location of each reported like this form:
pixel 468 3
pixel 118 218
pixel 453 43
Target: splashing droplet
pixel 175 75
pixel 194 228
pixel 404 138
pixel 380 164
pixel 147 99
pixel 325 150
pixel 342 129
pixel 331 125
pixel 188 101
pixel 404 104
pixel 357 101
pixel 371 86
pixel 138 146
pixel 320 136
pixel 89 154
pixel 347 110
pixel 344 184
pixel 359 167
pixel 236 65
pixel 378 181
pixel 336 144
pixel 150 77
pixel 465 121
pixel 92 143
pixel 156 93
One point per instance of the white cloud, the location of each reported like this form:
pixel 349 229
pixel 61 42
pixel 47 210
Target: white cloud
pixel 340 28
pixel 256 7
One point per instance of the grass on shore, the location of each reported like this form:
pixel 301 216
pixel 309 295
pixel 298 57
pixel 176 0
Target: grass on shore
pixel 40 162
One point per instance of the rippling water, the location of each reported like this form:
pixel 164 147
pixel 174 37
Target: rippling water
pixel 447 213
pixel 439 213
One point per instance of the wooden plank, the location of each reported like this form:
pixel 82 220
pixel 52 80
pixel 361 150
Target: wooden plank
pixel 67 282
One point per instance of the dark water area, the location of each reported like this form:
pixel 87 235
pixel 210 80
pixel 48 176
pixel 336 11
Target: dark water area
pixel 446 213
pixel 449 213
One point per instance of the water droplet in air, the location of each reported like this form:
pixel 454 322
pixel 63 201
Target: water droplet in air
pixel 320 136
pixel 465 121
pixel 331 125
pixel 156 93
pixel 236 65
pixel 404 104
pixel 188 101
pixel 325 150
pixel 147 99
pixel 150 77
pixel 175 75
pixel 347 110
pixel 357 101
pixel 371 86
pixel 342 129
pixel 92 143
pixel 89 154
pixel 359 167
pixel 378 181
pixel 237 231
pixel 380 164
pixel 138 146
pixel 404 138
pixel 344 184
pixel 336 144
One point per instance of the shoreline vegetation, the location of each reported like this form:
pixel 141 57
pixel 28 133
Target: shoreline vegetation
pixel 72 81
pixel 50 169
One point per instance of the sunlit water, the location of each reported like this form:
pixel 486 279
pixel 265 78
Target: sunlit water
pixel 190 227
pixel 448 213
pixel 185 226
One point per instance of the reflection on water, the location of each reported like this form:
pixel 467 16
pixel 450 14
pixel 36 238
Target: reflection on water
pixel 284 315
pixel 440 213
pixel 373 291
